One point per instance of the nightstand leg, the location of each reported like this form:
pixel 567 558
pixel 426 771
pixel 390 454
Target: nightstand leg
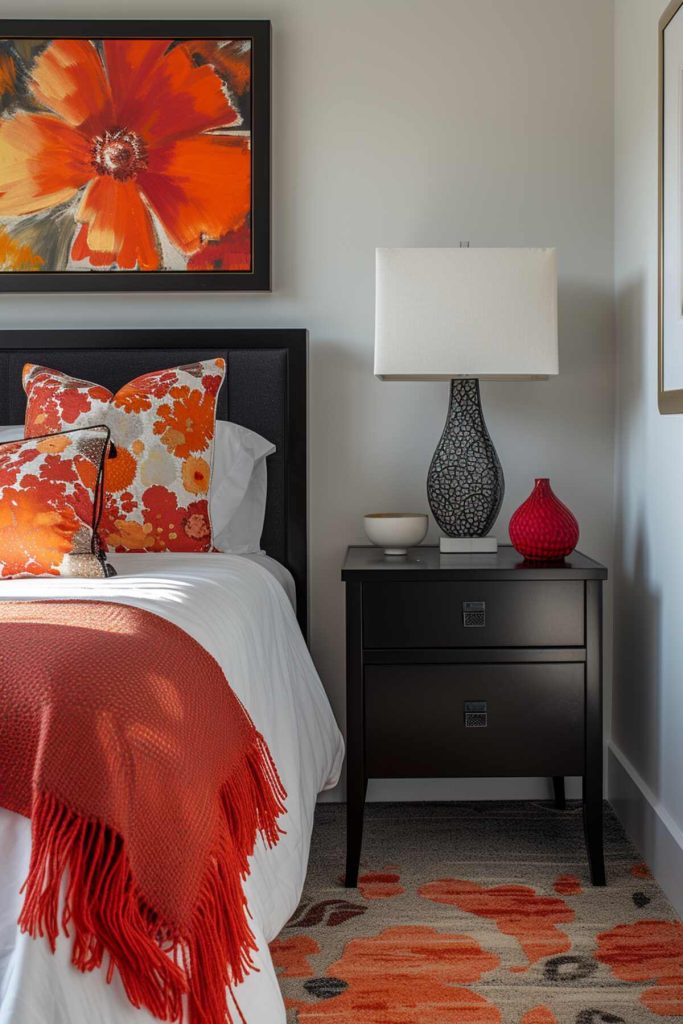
pixel 354 831
pixel 356 779
pixel 592 779
pixel 558 789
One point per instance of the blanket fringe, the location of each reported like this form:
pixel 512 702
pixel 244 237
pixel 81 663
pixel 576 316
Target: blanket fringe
pixel 164 968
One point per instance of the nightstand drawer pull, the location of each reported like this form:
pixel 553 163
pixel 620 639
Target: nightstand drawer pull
pixel 476 714
pixel 474 613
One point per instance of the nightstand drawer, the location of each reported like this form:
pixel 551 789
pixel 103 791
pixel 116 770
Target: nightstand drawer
pixel 522 720
pixel 533 613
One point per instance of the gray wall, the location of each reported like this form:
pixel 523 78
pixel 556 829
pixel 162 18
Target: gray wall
pixel 646 752
pixel 417 122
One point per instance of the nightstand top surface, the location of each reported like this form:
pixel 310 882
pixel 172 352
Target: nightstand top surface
pixel 424 562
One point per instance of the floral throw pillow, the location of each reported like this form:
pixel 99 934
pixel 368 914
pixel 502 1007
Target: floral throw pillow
pixel 156 488
pixel 50 503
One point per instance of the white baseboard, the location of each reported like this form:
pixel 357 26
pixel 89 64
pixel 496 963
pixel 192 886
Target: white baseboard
pixel 648 824
pixel 398 790
pixel 467 789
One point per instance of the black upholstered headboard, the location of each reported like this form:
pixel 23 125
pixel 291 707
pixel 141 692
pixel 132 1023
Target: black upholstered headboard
pixel 265 391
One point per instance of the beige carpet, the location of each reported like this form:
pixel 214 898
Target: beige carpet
pixel 478 914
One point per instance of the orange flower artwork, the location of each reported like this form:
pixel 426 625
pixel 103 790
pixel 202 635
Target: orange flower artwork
pixel 125 154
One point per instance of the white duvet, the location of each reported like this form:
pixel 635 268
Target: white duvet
pixel 236 608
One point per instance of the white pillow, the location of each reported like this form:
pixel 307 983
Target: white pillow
pixel 11 433
pixel 239 485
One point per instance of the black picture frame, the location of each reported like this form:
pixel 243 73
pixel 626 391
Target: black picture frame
pixel 256 279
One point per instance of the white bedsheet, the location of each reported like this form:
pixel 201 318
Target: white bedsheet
pixel 279 571
pixel 239 612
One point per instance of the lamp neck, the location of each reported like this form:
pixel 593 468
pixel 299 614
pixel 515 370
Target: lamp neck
pixel 465 398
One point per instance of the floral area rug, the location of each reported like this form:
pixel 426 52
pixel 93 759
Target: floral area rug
pixel 478 913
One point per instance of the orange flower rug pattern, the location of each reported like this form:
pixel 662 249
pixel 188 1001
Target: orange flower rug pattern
pixel 478 914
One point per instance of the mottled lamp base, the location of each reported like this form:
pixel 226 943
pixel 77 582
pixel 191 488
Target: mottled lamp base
pixel 465 483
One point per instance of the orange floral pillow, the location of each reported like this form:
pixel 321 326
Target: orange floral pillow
pixel 50 502
pixel 156 489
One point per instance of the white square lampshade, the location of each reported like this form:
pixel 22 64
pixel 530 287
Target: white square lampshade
pixel 446 313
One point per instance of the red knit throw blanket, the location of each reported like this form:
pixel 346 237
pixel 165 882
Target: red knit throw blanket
pixel 146 784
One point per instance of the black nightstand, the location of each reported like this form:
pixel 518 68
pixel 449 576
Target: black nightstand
pixel 473 665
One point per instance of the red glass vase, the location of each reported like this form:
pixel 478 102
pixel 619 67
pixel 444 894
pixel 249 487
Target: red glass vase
pixel 543 528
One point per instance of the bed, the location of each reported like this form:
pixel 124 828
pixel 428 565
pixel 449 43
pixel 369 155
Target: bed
pixel 248 612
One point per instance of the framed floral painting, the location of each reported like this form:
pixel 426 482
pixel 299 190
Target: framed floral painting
pixel 134 155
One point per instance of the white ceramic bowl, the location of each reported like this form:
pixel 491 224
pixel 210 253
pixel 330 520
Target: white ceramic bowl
pixel 396 531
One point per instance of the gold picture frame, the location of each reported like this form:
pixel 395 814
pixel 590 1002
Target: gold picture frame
pixel 670 398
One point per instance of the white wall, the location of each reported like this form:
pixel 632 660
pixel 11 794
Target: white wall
pixel 416 122
pixel 646 762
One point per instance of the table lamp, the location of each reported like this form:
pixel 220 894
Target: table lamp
pixel 466 315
